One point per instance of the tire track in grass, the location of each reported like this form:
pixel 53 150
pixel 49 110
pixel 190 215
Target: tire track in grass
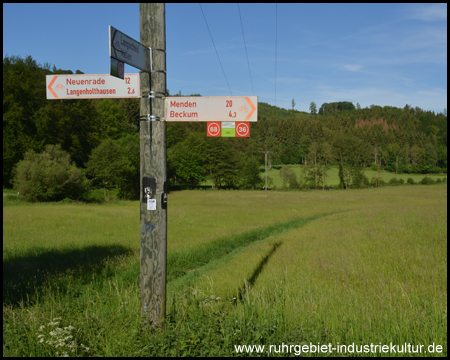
pixel 179 264
pixel 251 280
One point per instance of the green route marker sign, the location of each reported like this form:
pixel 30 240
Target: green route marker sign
pixel 228 129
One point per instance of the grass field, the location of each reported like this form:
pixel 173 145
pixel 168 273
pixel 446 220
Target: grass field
pixel 322 267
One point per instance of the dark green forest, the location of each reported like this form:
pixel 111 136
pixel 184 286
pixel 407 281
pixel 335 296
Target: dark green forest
pixel 102 138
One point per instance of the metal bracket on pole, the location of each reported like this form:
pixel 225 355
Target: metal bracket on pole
pixel 158 93
pixel 154 94
pixel 152 118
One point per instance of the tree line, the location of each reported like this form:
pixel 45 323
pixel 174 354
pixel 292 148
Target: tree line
pixel 101 138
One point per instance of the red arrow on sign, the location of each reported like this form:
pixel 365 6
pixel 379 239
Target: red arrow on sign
pixel 253 108
pixel 50 86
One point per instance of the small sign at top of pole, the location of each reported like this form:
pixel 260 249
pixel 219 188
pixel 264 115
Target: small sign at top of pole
pixel 128 50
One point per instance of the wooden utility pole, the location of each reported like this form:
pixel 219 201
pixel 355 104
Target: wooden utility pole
pixel 153 165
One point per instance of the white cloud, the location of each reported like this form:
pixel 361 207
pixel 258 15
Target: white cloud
pixel 428 12
pixel 352 67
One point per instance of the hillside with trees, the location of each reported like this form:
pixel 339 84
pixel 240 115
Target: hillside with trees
pixel 401 140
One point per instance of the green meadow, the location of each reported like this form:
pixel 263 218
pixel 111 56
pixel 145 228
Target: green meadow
pixel 340 267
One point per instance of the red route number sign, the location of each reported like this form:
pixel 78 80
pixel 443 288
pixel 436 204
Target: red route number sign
pixel 213 129
pixel 242 129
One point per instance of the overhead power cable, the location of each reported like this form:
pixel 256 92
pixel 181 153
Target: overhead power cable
pixel 248 63
pixel 276 38
pixel 204 17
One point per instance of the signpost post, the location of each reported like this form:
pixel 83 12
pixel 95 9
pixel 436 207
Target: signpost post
pixel 153 163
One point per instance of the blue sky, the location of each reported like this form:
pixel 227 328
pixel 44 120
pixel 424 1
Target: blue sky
pixel 382 54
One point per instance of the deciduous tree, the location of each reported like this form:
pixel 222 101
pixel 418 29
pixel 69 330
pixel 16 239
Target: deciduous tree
pixel 108 165
pixel 48 176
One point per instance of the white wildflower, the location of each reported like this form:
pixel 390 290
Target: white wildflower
pixel 60 338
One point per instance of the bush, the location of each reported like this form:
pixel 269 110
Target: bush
pixel 289 178
pixel 375 182
pixel 48 176
pixel 393 181
pixel 427 181
pixel 438 181
pixel 401 181
pixel 410 181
